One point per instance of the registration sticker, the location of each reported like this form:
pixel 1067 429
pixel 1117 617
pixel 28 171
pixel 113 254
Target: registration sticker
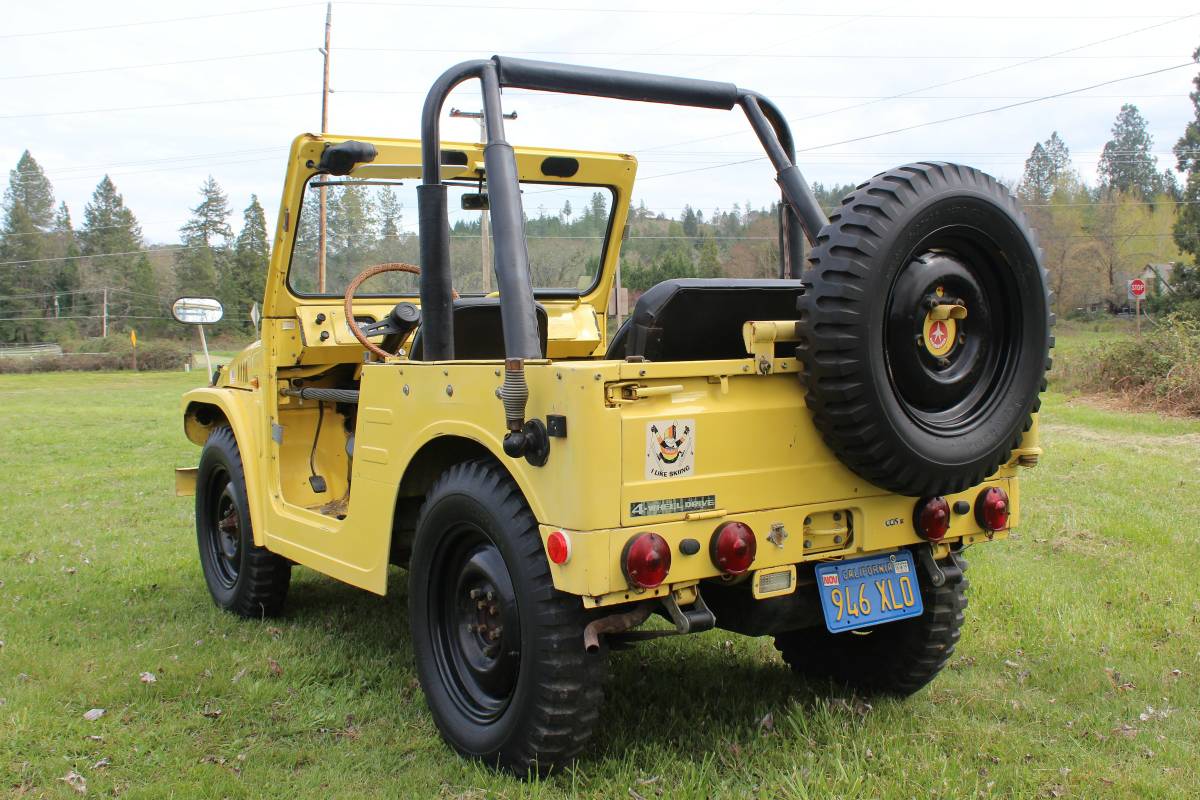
pixel 670 449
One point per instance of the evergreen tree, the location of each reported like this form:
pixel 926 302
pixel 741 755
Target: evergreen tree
pixel 1036 182
pixel 1187 161
pixel 66 270
pixel 201 265
pixel 1126 163
pixel 1058 157
pixel 690 222
pixel 29 188
pixel 710 259
pixel 391 214
pixel 251 255
pixel 112 238
pixel 27 280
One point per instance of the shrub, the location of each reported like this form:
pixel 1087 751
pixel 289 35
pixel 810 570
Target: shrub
pixel 1162 368
pixel 106 354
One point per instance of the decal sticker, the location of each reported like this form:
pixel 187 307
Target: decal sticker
pixel 830 579
pixel 900 566
pixel 670 449
pixel 672 505
pixel 938 334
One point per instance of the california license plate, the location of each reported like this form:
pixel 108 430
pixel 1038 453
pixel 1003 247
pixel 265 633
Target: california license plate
pixel 869 591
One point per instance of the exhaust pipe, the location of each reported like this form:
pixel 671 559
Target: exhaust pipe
pixel 615 623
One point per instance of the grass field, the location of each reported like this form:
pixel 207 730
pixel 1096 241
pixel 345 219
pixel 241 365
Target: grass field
pixel 1078 674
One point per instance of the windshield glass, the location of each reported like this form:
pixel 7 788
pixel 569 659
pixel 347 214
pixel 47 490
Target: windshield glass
pixel 370 222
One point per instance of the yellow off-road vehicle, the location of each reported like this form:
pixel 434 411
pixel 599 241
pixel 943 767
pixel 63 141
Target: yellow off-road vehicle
pixel 804 458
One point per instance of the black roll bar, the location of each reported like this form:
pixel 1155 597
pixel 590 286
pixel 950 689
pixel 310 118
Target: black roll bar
pixel 511 259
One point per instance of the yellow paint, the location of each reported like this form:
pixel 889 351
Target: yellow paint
pixel 756 451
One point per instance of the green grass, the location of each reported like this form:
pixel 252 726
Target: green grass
pixel 1074 631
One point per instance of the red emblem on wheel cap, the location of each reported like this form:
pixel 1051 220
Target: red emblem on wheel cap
pixel 938 335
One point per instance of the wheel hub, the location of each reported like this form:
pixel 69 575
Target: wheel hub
pixel 479 639
pixel 940 337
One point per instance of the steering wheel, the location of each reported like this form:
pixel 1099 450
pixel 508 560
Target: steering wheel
pixel 400 320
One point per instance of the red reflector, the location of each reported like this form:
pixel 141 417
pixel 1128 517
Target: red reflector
pixel 991 509
pixel 558 547
pixel 733 548
pixel 932 518
pixel 647 560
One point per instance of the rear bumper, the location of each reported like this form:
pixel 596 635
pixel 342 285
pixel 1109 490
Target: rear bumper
pixel 785 536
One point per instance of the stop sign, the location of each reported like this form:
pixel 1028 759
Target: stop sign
pixel 1137 288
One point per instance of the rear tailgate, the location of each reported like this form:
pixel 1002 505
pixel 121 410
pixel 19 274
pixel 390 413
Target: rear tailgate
pixel 715 436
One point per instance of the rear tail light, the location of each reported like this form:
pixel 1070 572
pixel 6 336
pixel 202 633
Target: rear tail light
pixel 991 509
pixel 646 560
pixel 733 547
pixel 932 518
pixel 558 547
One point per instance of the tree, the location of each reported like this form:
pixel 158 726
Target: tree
pixel 201 265
pixel 391 214
pixel 251 256
pixel 1059 159
pixel 1036 182
pixel 710 260
pixel 1187 161
pixel 28 279
pixel 66 272
pixel 1126 163
pixel 690 222
pixel 112 240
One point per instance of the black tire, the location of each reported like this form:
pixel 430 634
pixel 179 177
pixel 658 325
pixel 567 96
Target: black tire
pixel 242 578
pixel 897 658
pixel 910 417
pixel 499 650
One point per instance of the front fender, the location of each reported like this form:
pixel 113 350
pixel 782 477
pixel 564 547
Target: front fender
pixel 206 408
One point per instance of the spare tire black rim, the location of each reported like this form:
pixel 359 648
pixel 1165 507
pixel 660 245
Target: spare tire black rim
pixel 475 625
pixel 948 374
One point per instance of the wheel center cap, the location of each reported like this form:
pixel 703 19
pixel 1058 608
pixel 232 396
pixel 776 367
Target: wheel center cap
pixel 939 335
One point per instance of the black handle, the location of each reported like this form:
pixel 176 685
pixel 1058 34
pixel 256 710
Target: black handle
pixel 548 76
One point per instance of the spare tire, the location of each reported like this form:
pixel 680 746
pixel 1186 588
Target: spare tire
pixel 925 329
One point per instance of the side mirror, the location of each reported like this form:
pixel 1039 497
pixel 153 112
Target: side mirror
pixel 197 310
pixel 475 202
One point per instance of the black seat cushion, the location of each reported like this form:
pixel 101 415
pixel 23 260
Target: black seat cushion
pixel 698 319
pixel 478 331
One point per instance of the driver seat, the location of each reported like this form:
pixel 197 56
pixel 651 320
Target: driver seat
pixel 478 330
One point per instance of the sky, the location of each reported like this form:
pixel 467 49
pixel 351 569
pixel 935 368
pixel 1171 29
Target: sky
pixel 159 95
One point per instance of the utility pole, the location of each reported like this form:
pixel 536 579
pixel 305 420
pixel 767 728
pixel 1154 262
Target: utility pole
pixel 104 315
pixel 484 235
pixel 324 129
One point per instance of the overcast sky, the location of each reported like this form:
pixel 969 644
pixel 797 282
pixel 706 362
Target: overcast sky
pixel 118 104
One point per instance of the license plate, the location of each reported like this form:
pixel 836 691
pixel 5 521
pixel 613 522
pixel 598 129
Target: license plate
pixel 869 591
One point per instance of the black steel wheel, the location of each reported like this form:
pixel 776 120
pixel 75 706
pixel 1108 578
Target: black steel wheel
pixel 242 578
pixel 925 329
pixel 896 658
pixel 499 650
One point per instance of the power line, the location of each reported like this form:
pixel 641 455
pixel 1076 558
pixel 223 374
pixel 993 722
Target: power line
pixel 951 82
pixel 759 55
pixel 163 21
pixel 925 124
pixel 673 11
pixel 119 68
pixel 169 249
pixel 157 105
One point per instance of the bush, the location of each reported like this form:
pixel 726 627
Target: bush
pixel 1161 369
pixel 106 354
